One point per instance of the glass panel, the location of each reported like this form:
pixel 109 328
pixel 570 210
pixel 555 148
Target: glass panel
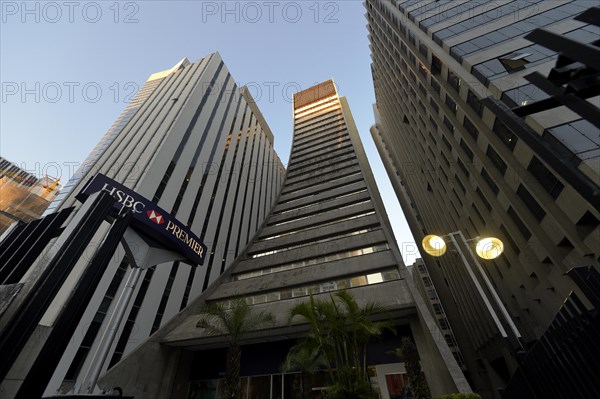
pixel 259 387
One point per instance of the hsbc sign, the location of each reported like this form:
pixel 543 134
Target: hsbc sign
pixel 149 220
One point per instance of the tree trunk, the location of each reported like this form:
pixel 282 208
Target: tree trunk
pixel 231 389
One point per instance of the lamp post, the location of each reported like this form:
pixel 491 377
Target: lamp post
pixel 486 248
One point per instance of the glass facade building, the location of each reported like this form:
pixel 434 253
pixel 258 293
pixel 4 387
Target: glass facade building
pixel 196 144
pixel 455 166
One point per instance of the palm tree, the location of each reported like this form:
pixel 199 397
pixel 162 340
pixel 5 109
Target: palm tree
pixel 306 359
pixel 234 322
pixel 340 331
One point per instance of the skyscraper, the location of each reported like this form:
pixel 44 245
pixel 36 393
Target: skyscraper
pixel 455 166
pixel 328 231
pixel 196 144
pixel 24 196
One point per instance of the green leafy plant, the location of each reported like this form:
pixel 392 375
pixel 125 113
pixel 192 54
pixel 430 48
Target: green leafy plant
pixel 339 333
pixel 233 322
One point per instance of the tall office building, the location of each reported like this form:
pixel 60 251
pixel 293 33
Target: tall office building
pixel 24 196
pixel 90 166
pixel 328 231
pixel 197 145
pixel 456 166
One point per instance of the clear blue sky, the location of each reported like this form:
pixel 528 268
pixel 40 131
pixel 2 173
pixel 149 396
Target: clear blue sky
pixel 67 70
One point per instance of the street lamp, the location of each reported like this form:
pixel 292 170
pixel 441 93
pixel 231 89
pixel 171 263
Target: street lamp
pixel 486 248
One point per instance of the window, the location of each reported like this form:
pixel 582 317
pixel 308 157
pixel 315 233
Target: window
pixel 510 240
pixel 474 102
pixel 462 186
pixel 423 70
pixel 469 127
pixel 514 62
pixel 434 105
pixel 546 179
pixel 462 167
pixel 436 65
pixel 488 179
pixel 412 58
pixel 519 223
pixel 437 308
pixel 435 85
pixel 423 49
pixel 450 104
pixel 466 149
pixel 444 324
pixel 486 203
pixel 453 81
pixel 446 142
pixel 531 203
pixel 449 124
pixel 504 134
pixel 496 160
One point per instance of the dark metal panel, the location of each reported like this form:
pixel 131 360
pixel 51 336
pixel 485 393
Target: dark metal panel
pixel 42 369
pixel 576 51
pixel 18 330
pixel 33 245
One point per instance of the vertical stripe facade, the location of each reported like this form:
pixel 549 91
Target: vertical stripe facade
pixel 195 146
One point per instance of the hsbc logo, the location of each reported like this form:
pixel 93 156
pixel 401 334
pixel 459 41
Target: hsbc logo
pixel 155 217
pixel 126 200
pixel 148 218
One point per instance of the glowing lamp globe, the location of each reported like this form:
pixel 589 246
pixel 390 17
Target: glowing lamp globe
pixel 434 245
pixel 489 248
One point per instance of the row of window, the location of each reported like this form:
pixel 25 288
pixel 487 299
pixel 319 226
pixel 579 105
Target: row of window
pixel 296 292
pixel 313 261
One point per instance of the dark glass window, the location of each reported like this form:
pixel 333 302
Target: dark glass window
pixel 510 240
pixel 453 81
pixel 474 102
pixel 423 70
pixel 450 104
pixel 546 179
pixel 462 167
pixel 449 124
pixel 435 126
pixel 469 127
pixel 447 142
pixel 435 85
pixel 496 160
pixel 444 324
pixel 423 49
pixel 520 225
pixel 466 149
pixel 488 179
pixel 462 186
pixel 483 199
pixel 507 137
pixel 530 202
pixel 434 105
pixel 436 65
pixel 412 58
